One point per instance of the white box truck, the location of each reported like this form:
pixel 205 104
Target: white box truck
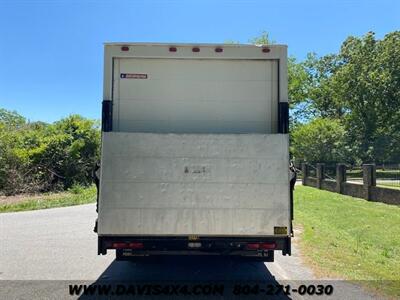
pixel 195 151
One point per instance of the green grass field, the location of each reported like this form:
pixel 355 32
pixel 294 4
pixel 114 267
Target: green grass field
pixel 74 196
pixel 389 185
pixel 350 238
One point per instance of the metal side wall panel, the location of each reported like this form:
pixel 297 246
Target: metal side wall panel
pixel 185 184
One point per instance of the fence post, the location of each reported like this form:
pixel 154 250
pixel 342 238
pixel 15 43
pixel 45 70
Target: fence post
pixel 369 179
pixel 304 170
pixel 320 174
pixel 340 177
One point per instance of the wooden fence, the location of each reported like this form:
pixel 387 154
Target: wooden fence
pixel 367 190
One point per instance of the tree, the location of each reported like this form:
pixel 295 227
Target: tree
pixel 359 87
pixel 37 157
pixel 321 140
pixel 231 42
pixel 367 83
pixel 263 39
pixel 298 81
pixel 69 152
pixel 321 95
pixel 11 119
pixel 12 164
pixel 301 109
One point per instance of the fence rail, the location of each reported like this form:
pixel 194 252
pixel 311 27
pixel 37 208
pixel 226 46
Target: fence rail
pixel 367 188
pixel 387 175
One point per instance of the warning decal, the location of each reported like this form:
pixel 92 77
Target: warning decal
pixel 133 76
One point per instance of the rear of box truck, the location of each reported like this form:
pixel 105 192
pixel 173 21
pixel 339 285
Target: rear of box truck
pixel 194 157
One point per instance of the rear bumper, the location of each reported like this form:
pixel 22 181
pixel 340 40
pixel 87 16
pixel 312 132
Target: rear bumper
pixel 179 245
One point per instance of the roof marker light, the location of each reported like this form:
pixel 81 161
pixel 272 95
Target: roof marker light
pixel 266 50
pixel 219 50
pixel 124 48
pixel 172 49
pixel 195 49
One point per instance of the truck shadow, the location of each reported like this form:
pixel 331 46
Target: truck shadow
pixel 196 277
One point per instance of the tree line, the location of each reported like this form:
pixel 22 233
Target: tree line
pixel 40 157
pixel 345 107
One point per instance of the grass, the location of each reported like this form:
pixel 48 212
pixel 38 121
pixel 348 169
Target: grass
pixel 350 238
pixel 389 185
pixel 75 196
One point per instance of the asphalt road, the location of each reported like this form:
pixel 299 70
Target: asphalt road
pixel 44 251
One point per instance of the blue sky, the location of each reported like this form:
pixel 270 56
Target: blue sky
pixel 51 52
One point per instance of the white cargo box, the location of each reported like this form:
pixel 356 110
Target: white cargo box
pixel 234 91
pixel 193 145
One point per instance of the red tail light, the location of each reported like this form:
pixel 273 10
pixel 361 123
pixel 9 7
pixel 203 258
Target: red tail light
pixel 261 246
pixel 118 245
pixel 122 245
pixel 135 245
pixel 253 246
pixel 267 246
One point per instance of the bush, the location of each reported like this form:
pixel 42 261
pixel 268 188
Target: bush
pixel 321 140
pixel 40 157
pixel 76 189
